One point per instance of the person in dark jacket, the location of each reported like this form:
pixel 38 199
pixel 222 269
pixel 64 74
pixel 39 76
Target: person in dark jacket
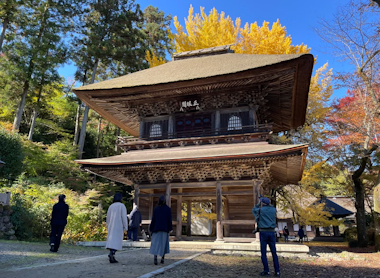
pixel 285 232
pixel 58 222
pixel 301 234
pixel 134 223
pixel 160 227
pixel 265 215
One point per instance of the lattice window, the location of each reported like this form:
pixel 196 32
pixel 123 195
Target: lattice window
pixel 155 130
pixel 234 123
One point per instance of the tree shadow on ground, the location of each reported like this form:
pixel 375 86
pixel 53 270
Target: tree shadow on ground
pixel 244 267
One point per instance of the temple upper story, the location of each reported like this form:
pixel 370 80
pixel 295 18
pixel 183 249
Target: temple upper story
pixel 205 96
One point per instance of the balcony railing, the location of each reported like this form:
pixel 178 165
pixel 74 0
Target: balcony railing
pixel 198 137
pixel 201 132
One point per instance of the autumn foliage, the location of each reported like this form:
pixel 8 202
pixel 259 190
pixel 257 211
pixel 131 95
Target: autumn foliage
pixel 352 121
pixel 216 29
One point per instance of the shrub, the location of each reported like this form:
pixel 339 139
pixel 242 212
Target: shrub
pixel 32 205
pixel 350 234
pixel 22 218
pixel 11 153
pixel 353 243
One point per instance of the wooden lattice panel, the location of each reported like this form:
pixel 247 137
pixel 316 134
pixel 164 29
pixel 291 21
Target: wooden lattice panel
pixel 153 176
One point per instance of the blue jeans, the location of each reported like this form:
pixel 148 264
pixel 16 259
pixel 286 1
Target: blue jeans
pixel 132 234
pixel 269 238
pixel 286 238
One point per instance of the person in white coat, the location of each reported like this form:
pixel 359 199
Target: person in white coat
pixel 117 223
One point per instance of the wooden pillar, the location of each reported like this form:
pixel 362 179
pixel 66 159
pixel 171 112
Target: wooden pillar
pixel 219 207
pixel 217 122
pixel 256 191
pixel 188 227
pixel 151 206
pixel 179 216
pixel 256 198
pixel 137 196
pixel 141 130
pixel 252 116
pixel 226 216
pixel 336 231
pixel 167 194
pixel 317 232
pixel 171 126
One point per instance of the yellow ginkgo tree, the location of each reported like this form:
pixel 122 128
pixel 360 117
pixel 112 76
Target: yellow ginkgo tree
pixel 216 29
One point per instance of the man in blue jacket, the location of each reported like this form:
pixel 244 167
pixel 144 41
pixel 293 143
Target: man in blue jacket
pixel 265 215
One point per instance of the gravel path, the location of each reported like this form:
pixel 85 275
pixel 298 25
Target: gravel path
pixel 320 262
pixel 33 260
pixel 21 254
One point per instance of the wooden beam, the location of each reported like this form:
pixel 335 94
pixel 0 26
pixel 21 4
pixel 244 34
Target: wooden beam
pixel 206 193
pixel 219 207
pixel 198 198
pixel 147 222
pixel 179 216
pixel 167 195
pixel 188 226
pixel 150 195
pixel 238 222
pixel 211 184
pixel 238 192
pixel 153 186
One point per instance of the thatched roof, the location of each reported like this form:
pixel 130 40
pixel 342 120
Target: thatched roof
pixel 194 68
pixel 288 165
pixel 191 153
pixel 286 77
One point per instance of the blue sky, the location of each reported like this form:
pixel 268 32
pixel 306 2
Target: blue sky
pixel 299 17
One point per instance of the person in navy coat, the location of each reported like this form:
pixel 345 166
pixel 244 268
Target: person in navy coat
pixel 58 222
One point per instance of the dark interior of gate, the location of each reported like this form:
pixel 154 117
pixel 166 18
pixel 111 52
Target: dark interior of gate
pixel 201 128
pixel 237 208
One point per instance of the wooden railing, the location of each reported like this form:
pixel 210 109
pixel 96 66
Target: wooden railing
pixel 201 132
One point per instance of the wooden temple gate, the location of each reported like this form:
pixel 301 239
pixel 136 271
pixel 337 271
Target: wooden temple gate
pixel 233 199
pixel 201 128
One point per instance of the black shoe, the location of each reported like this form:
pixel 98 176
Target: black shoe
pixel 155 260
pixel 112 259
pixel 52 248
pixel 277 274
pixel 264 273
pixel 162 261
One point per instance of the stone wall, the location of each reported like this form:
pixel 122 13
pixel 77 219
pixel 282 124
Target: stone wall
pixel 6 227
